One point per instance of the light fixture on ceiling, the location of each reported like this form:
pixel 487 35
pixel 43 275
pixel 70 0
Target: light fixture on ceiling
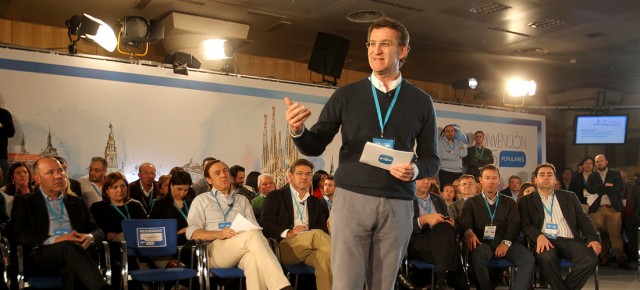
pixel 136 31
pixel 87 26
pixel 468 83
pixel 517 90
pixel 218 49
pixel 365 16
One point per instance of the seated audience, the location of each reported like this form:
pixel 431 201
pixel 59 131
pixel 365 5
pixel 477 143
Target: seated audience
pixel 329 189
pixel 252 181
pixel 237 174
pixel 145 189
pixel 265 185
pixel 56 230
pixel 491 225
pixel 74 185
pixel 526 189
pixel 201 184
pixel 318 183
pixel 210 218
pixel 513 189
pixel 556 225
pixel 448 193
pixel 434 237
pixel 298 221
pixel 91 184
pixel 467 187
pixel 18 183
pixel 163 184
pixel 173 205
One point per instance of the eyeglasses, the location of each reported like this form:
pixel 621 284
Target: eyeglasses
pixel 467 184
pixel 300 173
pixel 382 44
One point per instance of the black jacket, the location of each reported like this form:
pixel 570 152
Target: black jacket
pixel 595 184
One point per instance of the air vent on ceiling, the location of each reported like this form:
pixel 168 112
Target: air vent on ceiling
pixel 489 8
pixel 365 16
pixel 509 31
pixel 398 5
pixel 595 34
pixel 141 4
pixel 531 51
pixel 277 25
pixel 546 23
pixel 194 2
pixel 265 14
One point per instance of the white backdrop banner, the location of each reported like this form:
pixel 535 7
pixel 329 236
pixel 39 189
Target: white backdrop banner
pixel 172 120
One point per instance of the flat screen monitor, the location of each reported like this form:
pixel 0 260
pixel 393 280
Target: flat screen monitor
pixel 599 130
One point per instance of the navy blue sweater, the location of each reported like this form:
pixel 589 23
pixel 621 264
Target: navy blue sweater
pixel 352 109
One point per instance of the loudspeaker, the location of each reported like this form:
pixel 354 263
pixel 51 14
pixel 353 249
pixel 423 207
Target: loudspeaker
pixel 329 54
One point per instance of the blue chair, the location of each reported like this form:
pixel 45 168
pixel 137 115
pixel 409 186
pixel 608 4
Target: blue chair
pixel 54 281
pixel 293 269
pixel 566 264
pixel 152 238
pixel 420 265
pixel 207 273
pixel 504 263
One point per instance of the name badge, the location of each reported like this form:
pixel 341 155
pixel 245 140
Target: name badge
pixel 551 231
pixel 489 232
pixel 383 142
pixel 60 232
pixel 224 225
pixel 624 202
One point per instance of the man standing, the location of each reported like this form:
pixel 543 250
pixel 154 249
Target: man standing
pixel 145 189
pixel 92 184
pixel 265 186
pixel 201 185
pixel 56 229
pixel 606 210
pixel 513 190
pixel 384 109
pixel 329 189
pixel 298 220
pixel 434 237
pixel 7 130
pixel 451 152
pixel 210 218
pixel 491 225
pixel 578 184
pixel 467 186
pixel 477 155
pixel 237 174
pixel 554 222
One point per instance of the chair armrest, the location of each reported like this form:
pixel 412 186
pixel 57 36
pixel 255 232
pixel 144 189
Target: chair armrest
pixel 275 246
pixel 20 267
pixel 125 265
pixel 106 251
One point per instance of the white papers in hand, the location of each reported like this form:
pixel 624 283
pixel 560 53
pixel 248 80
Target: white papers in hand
pixel 383 157
pixel 241 224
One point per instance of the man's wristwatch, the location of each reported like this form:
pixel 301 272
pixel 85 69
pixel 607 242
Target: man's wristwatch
pixel 507 243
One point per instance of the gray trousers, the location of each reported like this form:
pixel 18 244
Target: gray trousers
pixel 369 237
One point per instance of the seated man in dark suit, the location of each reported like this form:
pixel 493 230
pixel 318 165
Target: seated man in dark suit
pixel 146 189
pixel 491 225
pixel 513 188
pixel 553 220
pixel 298 220
pixel 74 184
pixel 434 237
pixel 56 229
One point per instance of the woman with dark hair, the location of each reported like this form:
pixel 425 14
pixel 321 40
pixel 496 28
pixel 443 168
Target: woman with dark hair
pixel 174 205
pixel 318 183
pixel 115 207
pixel 18 183
pixel 252 182
pixel 526 189
pixel 163 183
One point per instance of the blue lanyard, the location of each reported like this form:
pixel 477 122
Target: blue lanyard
pixel 186 207
pixel 393 103
pixel 95 188
pixel 452 145
pixel 300 215
pixel 492 215
pixel 550 211
pixel 126 208
pixel 479 156
pixel 56 216
pixel 224 214
pixel 150 197
pixel 428 206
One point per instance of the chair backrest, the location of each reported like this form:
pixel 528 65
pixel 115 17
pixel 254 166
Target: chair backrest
pixel 151 237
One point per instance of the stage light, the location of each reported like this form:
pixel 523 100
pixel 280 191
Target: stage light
pixel 521 88
pixel 181 62
pixel 87 26
pixel 136 31
pixel 468 83
pixel 218 49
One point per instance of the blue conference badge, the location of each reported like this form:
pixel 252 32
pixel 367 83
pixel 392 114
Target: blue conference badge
pixel 386 159
pixel 151 237
pixel 513 159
